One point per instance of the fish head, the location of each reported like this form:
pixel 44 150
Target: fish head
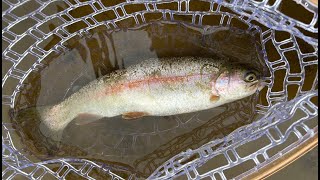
pixel 238 81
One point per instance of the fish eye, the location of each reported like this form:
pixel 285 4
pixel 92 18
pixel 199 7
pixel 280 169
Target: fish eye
pixel 250 77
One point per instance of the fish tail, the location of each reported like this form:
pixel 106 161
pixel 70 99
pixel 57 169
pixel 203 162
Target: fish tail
pixel 54 119
pixel 51 120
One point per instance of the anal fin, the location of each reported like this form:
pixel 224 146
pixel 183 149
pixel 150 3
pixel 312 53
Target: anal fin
pixel 86 118
pixel 133 115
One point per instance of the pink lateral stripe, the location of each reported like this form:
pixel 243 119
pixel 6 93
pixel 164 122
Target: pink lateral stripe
pixel 152 80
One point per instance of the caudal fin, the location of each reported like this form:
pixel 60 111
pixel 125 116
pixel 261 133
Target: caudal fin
pixel 48 119
pixel 54 134
pixel 54 120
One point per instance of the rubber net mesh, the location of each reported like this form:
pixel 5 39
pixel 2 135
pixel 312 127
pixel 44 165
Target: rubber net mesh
pixel 264 19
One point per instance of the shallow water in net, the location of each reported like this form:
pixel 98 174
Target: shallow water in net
pixel 141 145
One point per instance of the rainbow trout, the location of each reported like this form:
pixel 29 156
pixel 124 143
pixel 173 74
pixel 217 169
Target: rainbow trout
pixel 155 87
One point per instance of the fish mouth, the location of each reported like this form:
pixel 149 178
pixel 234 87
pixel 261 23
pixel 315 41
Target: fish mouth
pixel 258 85
pixel 261 85
pixel 254 84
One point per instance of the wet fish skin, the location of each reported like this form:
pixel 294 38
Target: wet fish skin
pixel 155 87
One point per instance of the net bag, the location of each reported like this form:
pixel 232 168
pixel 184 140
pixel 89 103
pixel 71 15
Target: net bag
pixel 287 124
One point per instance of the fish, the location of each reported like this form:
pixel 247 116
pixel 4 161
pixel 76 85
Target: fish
pixel 154 87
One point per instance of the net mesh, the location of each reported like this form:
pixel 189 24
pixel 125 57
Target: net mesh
pixel 279 128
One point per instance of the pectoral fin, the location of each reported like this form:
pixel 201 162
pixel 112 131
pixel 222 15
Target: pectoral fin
pixel 214 94
pixel 133 115
pixel 86 118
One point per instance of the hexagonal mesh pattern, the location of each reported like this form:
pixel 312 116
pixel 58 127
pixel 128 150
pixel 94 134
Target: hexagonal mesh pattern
pixel 264 19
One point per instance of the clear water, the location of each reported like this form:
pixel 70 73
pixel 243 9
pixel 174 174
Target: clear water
pixel 144 144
